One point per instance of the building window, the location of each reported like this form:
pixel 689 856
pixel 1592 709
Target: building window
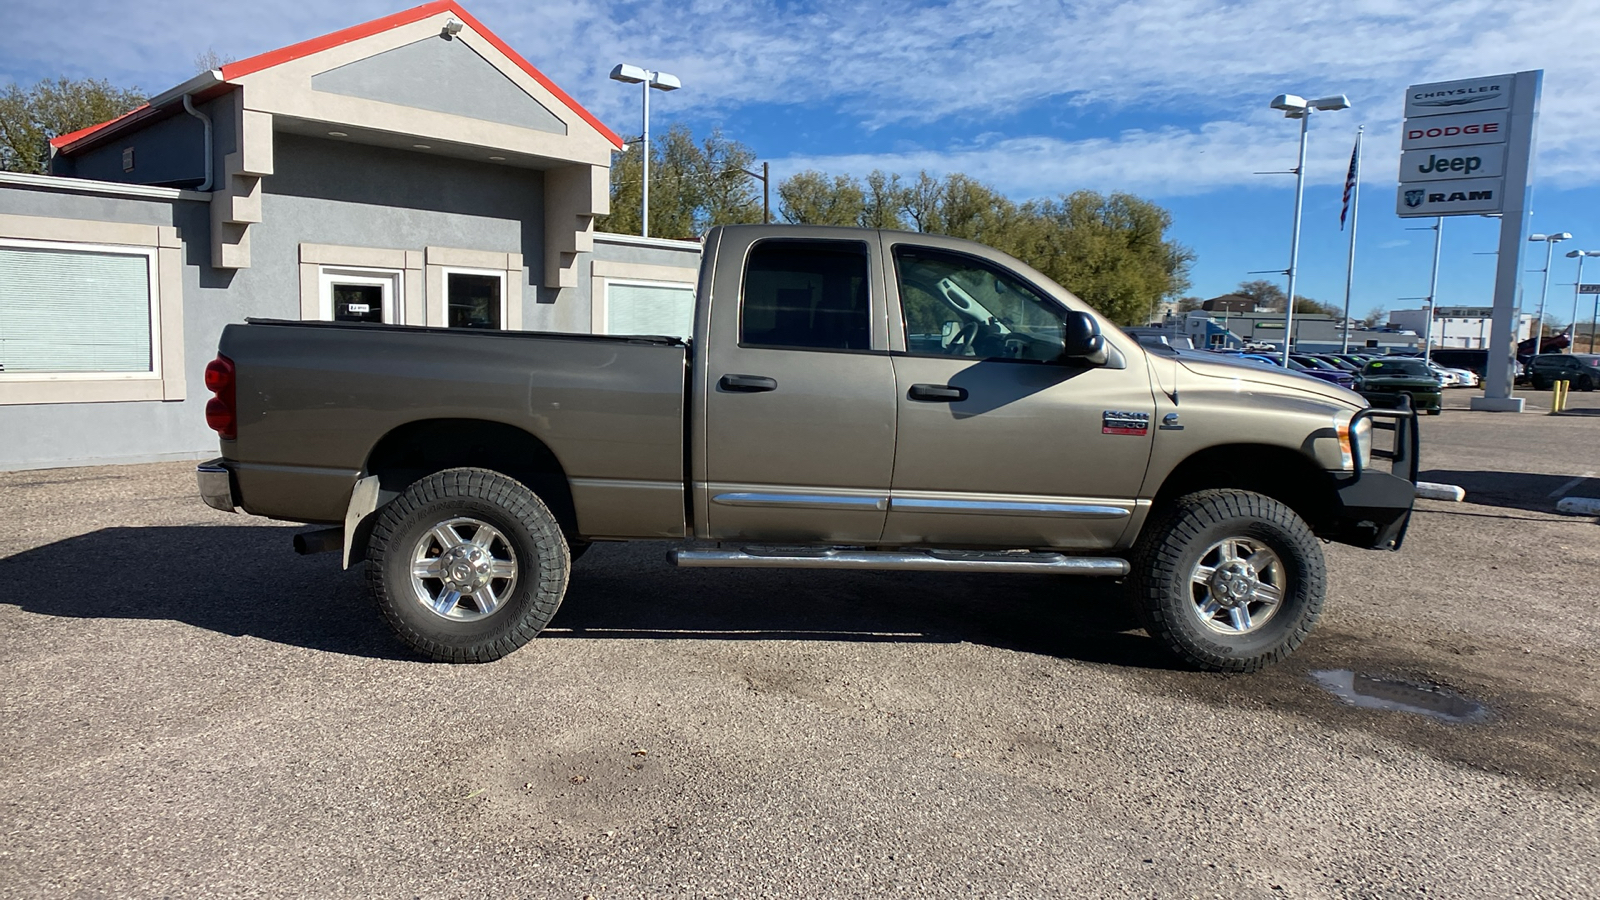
pixel 475 298
pixel 361 295
pixel 636 307
pixel 79 310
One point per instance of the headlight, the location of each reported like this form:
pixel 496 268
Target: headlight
pixel 1355 441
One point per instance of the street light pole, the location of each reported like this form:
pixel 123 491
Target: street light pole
pixel 660 81
pixel 1550 241
pixel 1576 289
pixel 1294 238
pixel 1294 107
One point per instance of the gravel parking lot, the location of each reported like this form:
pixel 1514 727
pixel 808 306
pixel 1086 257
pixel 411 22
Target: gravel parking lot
pixel 192 710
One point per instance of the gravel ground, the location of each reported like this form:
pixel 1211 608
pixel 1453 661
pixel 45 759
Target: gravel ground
pixel 192 710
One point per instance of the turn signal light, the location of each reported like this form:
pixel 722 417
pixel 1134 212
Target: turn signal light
pixel 222 410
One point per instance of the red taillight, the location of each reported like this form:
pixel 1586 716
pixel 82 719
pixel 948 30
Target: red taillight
pixel 221 410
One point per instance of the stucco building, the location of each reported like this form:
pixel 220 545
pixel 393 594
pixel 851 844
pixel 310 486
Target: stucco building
pixel 412 170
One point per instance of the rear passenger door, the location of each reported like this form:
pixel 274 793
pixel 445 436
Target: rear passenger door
pixel 796 436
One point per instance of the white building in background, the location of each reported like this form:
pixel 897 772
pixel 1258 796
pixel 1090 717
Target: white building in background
pixel 1466 327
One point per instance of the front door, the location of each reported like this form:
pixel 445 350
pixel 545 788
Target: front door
pixel 799 395
pixel 1000 443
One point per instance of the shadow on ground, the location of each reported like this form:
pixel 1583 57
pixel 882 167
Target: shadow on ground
pixel 247 581
pixel 1514 490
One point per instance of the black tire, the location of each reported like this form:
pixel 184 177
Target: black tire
pixel 1437 410
pixel 1586 383
pixel 1539 384
pixel 521 532
pixel 1169 603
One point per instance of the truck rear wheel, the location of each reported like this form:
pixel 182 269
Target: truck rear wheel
pixel 1228 580
pixel 467 565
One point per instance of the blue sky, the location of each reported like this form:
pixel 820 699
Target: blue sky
pixel 1162 98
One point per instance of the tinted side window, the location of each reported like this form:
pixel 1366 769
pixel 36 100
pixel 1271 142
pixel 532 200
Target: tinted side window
pixel 958 305
pixel 806 294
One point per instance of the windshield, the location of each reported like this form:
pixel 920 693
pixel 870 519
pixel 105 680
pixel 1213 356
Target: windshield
pixel 1399 367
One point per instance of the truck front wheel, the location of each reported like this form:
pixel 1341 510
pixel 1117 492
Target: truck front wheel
pixel 467 565
pixel 1228 580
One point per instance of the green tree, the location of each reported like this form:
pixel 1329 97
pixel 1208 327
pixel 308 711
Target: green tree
pixel 1266 294
pixel 811 198
pixel 1111 250
pixel 30 117
pixel 693 186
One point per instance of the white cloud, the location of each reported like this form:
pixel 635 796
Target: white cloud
pixel 969 65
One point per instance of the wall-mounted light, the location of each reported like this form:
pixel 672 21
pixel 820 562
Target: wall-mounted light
pixel 452 27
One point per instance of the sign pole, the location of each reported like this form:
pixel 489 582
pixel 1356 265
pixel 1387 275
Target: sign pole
pixel 1572 323
pixel 1500 370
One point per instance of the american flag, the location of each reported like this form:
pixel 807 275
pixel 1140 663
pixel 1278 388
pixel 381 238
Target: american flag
pixel 1350 180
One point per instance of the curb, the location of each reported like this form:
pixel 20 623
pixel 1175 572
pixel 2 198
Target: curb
pixel 1431 491
pixel 1579 506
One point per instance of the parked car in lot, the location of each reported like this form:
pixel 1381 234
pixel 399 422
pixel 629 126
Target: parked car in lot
pixel 850 399
pixel 1456 377
pixel 1387 381
pixel 1316 368
pixel 1295 365
pixel 1582 370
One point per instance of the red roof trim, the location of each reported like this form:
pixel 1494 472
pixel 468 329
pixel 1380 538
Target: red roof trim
pixel 61 140
pixel 303 49
pixel 415 14
pixel 344 36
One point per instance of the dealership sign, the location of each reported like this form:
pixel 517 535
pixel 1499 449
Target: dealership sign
pixel 1454 130
pixel 1453 147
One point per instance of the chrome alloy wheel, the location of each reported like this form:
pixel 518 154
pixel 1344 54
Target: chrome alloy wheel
pixel 462 569
pixel 1238 585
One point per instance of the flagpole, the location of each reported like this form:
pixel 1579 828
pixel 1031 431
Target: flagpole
pixel 1350 265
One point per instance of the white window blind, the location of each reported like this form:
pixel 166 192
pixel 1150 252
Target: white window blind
pixel 74 311
pixel 650 309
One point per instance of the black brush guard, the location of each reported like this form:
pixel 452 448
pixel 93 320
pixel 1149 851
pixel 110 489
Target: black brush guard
pixel 1375 506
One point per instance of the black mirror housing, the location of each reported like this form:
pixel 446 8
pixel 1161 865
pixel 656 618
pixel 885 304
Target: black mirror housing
pixel 1082 340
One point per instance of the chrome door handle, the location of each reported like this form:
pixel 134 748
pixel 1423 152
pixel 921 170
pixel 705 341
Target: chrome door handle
pixel 747 384
pixel 936 393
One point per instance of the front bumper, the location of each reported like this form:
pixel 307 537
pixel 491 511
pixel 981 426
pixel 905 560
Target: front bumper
pixel 216 485
pixel 1374 506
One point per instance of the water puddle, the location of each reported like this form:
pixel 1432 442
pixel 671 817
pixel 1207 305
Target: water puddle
pixel 1395 695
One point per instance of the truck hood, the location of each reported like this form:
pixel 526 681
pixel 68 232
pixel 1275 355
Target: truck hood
pixel 1212 365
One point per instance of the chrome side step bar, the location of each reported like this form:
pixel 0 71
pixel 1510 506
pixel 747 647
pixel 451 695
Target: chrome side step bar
pixel 904 560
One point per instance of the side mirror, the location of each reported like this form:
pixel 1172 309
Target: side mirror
pixel 1081 339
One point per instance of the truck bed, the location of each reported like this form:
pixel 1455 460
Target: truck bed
pixel 322 397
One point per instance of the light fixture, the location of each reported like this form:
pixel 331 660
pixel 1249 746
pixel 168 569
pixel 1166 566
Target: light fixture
pixel 661 81
pixel 1296 107
pixel 452 27
pixel 1550 241
pixel 1577 289
pixel 423 146
pixel 338 134
pixel 498 158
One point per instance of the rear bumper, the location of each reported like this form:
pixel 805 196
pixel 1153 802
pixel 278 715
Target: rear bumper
pixel 216 485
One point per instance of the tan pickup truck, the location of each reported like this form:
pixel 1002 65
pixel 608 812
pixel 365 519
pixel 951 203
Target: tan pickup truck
pixel 850 399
